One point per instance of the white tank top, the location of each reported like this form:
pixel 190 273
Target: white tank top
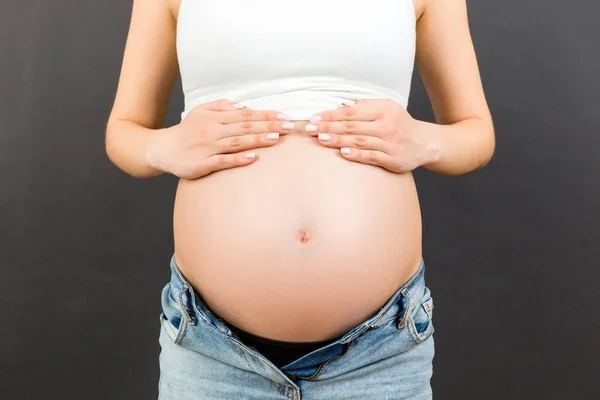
pixel 299 57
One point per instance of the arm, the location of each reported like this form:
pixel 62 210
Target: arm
pixel 148 73
pixel 463 134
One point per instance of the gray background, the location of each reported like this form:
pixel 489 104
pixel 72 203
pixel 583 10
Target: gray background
pixel 511 250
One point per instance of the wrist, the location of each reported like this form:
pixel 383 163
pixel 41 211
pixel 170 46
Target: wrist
pixel 154 149
pixel 431 143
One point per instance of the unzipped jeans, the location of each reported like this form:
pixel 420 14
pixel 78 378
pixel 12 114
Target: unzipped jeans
pixel 388 356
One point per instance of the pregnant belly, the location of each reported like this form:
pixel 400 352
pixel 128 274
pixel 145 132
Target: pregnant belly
pixel 300 245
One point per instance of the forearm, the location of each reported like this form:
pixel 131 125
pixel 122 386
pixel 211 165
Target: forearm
pixel 126 147
pixel 459 148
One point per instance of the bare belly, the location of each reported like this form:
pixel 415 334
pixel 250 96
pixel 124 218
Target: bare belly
pixel 300 245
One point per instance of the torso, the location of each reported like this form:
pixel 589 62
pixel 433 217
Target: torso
pixel 300 245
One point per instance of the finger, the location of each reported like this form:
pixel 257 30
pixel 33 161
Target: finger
pixel 371 157
pixel 357 141
pixel 249 114
pixel 222 104
pixel 234 144
pixel 216 105
pixel 342 127
pixel 254 127
pixel 223 161
pixel 361 111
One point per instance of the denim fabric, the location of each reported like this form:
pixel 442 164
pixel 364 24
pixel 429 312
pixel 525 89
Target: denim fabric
pixel 388 356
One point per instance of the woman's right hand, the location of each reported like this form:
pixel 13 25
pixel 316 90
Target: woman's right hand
pixel 213 136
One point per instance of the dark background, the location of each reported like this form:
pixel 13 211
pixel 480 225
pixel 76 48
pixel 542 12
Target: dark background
pixel 511 250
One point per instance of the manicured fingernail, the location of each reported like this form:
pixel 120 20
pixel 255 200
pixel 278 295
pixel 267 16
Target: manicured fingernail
pixel 273 136
pixel 311 128
pixel 346 150
pixel 249 155
pixel 324 137
pixel 287 125
pixel 316 118
pixel 284 117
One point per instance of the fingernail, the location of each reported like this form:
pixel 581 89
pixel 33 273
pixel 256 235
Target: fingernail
pixel 284 116
pixel 311 128
pixel 249 155
pixel 287 125
pixel 316 118
pixel 273 136
pixel 324 137
pixel 346 150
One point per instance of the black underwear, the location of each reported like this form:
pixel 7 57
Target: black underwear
pixel 278 352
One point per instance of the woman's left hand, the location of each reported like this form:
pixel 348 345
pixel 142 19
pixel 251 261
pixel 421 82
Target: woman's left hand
pixel 378 132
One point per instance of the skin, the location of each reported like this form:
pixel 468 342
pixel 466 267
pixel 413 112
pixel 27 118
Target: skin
pixel 380 132
pixel 460 141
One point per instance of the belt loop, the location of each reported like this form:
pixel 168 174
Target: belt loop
pixel 402 322
pixel 192 321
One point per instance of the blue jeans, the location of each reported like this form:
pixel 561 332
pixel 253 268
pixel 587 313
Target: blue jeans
pixel 388 356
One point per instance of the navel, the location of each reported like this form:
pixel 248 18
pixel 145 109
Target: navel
pixel 303 236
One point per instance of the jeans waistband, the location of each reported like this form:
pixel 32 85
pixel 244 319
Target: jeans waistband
pixel 405 298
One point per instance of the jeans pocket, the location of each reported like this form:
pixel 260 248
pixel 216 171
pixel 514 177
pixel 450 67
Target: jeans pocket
pixel 172 317
pixel 420 320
